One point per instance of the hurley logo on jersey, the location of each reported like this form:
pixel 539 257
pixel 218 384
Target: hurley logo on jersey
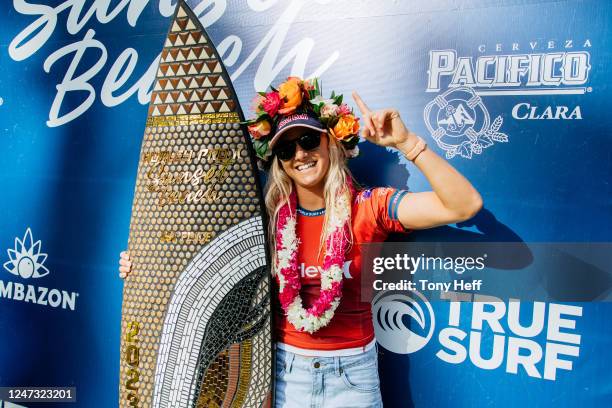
pixel 312 271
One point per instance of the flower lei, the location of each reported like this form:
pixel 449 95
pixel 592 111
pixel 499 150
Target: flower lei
pixel 300 94
pixel 321 312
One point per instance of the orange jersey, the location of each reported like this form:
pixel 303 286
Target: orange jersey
pixel 374 216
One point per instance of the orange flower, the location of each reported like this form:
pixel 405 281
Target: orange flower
pixel 260 129
pixel 290 93
pixel 347 126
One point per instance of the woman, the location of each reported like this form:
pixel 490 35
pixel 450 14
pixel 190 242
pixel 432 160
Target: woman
pixel 326 353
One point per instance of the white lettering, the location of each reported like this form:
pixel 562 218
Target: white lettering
pixel 528 361
pixel 552 362
pixel 556 323
pixel 33 37
pixel 38 295
pixel 70 83
pixel 523 347
pixel 530 70
pixel 522 111
pixel 497 354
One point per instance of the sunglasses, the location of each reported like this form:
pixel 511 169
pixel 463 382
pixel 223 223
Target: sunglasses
pixel 307 141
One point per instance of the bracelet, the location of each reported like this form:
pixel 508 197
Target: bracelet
pixel 418 148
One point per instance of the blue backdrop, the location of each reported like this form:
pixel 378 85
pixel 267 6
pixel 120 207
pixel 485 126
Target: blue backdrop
pixel 528 77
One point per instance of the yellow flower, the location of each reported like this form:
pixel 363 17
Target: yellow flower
pixel 290 93
pixel 347 126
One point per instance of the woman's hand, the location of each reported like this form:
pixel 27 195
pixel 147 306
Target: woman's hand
pixel 125 265
pixel 385 127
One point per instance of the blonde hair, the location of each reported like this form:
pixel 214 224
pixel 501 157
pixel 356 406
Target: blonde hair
pixel 279 186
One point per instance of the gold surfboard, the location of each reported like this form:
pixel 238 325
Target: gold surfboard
pixel 196 321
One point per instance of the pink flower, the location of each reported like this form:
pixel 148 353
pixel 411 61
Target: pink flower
pixel 326 297
pixel 286 298
pixel 271 103
pixel 344 110
pixel 292 280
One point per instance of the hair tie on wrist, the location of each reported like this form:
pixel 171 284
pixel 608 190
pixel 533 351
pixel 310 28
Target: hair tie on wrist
pixel 416 150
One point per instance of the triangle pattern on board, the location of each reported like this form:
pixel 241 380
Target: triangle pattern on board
pixel 182 39
pixel 190 78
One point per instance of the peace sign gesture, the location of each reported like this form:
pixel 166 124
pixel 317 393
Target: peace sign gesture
pixel 384 127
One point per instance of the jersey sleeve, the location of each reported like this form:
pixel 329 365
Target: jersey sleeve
pixel 385 203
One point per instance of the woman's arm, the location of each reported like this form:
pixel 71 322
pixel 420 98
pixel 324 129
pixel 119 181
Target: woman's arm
pixel 453 198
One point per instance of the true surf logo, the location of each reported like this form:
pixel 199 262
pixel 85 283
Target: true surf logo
pixel 26 261
pixel 483 331
pixel 458 119
pixel 390 311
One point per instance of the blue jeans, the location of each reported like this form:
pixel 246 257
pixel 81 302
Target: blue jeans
pixel 329 382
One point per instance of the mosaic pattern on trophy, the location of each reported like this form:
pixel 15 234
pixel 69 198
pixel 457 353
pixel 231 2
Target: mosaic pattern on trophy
pixel 196 329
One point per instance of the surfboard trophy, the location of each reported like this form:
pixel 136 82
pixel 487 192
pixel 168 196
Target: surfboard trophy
pixel 196 319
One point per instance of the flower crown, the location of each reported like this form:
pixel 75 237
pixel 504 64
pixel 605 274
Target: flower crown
pixel 298 94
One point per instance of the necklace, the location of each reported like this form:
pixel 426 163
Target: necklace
pixel 322 310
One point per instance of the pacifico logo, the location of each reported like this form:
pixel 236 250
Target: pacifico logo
pixel 460 123
pixel 458 120
pixel 27 262
pixel 539 343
